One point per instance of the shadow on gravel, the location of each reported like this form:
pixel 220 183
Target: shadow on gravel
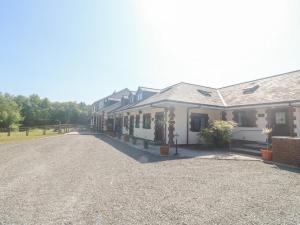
pixel 138 155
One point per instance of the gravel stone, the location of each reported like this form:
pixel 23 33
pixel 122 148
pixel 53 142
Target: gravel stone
pixel 86 179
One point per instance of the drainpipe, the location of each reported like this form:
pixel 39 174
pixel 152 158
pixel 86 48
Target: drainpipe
pixel 187 124
pixel 166 117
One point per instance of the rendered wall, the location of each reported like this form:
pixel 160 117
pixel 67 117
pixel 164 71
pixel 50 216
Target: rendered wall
pixel 250 133
pixel 145 133
pixel 213 114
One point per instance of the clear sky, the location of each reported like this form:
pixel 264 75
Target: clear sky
pixel 84 50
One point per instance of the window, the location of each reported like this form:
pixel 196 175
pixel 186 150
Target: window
pixel 137 121
pixel 205 93
pixel 132 99
pixel 126 122
pixel 250 90
pixel 280 118
pixel 147 121
pixel 198 121
pixel 140 96
pixel 245 118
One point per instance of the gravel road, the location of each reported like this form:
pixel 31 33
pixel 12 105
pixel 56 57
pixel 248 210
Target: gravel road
pixel 82 179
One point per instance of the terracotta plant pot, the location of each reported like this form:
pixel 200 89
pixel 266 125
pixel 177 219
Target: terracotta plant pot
pixel 266 154
pixel 263 153
pixel 164 150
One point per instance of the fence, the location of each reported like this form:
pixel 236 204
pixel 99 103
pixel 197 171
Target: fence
pixel 42 130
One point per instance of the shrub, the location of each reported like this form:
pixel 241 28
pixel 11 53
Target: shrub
pixel 218 133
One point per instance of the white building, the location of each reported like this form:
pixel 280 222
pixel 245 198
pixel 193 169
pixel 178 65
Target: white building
pixel 184 109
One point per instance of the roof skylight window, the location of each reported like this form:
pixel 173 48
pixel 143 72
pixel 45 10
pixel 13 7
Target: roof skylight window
pixel 205 93
pixel 250 90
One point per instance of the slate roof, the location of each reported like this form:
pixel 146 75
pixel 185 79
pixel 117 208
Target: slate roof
pixel 278 88
pixel 119 94
pixel 111 107
pixel 274 89
pixel 115 95
pixel 185 92
pixel 149 89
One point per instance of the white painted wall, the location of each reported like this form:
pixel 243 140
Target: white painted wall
pixel 250 133
pixel 240 133
pixel 297 122
pixel 213 114
pixel 141 132
pixel 180 124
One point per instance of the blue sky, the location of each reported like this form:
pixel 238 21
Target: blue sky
pixel 84 50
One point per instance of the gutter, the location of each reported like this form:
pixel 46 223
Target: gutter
pixel 284 103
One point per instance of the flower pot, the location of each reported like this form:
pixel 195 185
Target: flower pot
pixel 263 153
pixel 164 150
pixel 266 154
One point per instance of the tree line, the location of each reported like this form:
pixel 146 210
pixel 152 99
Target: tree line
pixel 21 110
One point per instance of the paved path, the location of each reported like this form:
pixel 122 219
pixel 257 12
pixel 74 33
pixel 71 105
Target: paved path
pixel 82 179
pixel 188 153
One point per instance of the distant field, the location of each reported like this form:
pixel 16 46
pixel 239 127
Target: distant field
pixel 21 136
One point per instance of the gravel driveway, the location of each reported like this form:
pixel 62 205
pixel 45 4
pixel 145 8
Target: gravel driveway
pixel 82 179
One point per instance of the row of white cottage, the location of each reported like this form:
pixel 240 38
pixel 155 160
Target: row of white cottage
pixel 181 110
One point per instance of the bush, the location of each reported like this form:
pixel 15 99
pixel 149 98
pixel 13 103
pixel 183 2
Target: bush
pixel 218 133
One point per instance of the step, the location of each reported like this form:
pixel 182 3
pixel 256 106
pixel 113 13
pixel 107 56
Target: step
pixel 246 151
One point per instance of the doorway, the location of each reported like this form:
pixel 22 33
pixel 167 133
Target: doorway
pixel 280 122
pixel 159 128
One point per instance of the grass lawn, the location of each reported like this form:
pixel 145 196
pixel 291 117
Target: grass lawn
pixel 21 136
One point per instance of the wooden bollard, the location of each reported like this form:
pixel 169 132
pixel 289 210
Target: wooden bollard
pixel 44 131
pixel 27 132
pixel 8 133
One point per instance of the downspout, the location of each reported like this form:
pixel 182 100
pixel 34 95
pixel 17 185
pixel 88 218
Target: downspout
pixel 187 125
pixel 166 117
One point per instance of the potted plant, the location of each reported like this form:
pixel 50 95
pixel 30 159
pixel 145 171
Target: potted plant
pixel 164 149
pixel 266 154
pixel 218 133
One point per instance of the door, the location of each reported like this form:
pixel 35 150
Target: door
pixel 159 128
pixel 131 125
pixel 280 122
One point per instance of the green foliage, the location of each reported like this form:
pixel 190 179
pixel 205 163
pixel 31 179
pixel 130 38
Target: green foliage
pixel 218 133
pixel 10 115
pixel 35 111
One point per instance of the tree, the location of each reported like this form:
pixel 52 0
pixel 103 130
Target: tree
pixel 35 111
pixel 10 114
